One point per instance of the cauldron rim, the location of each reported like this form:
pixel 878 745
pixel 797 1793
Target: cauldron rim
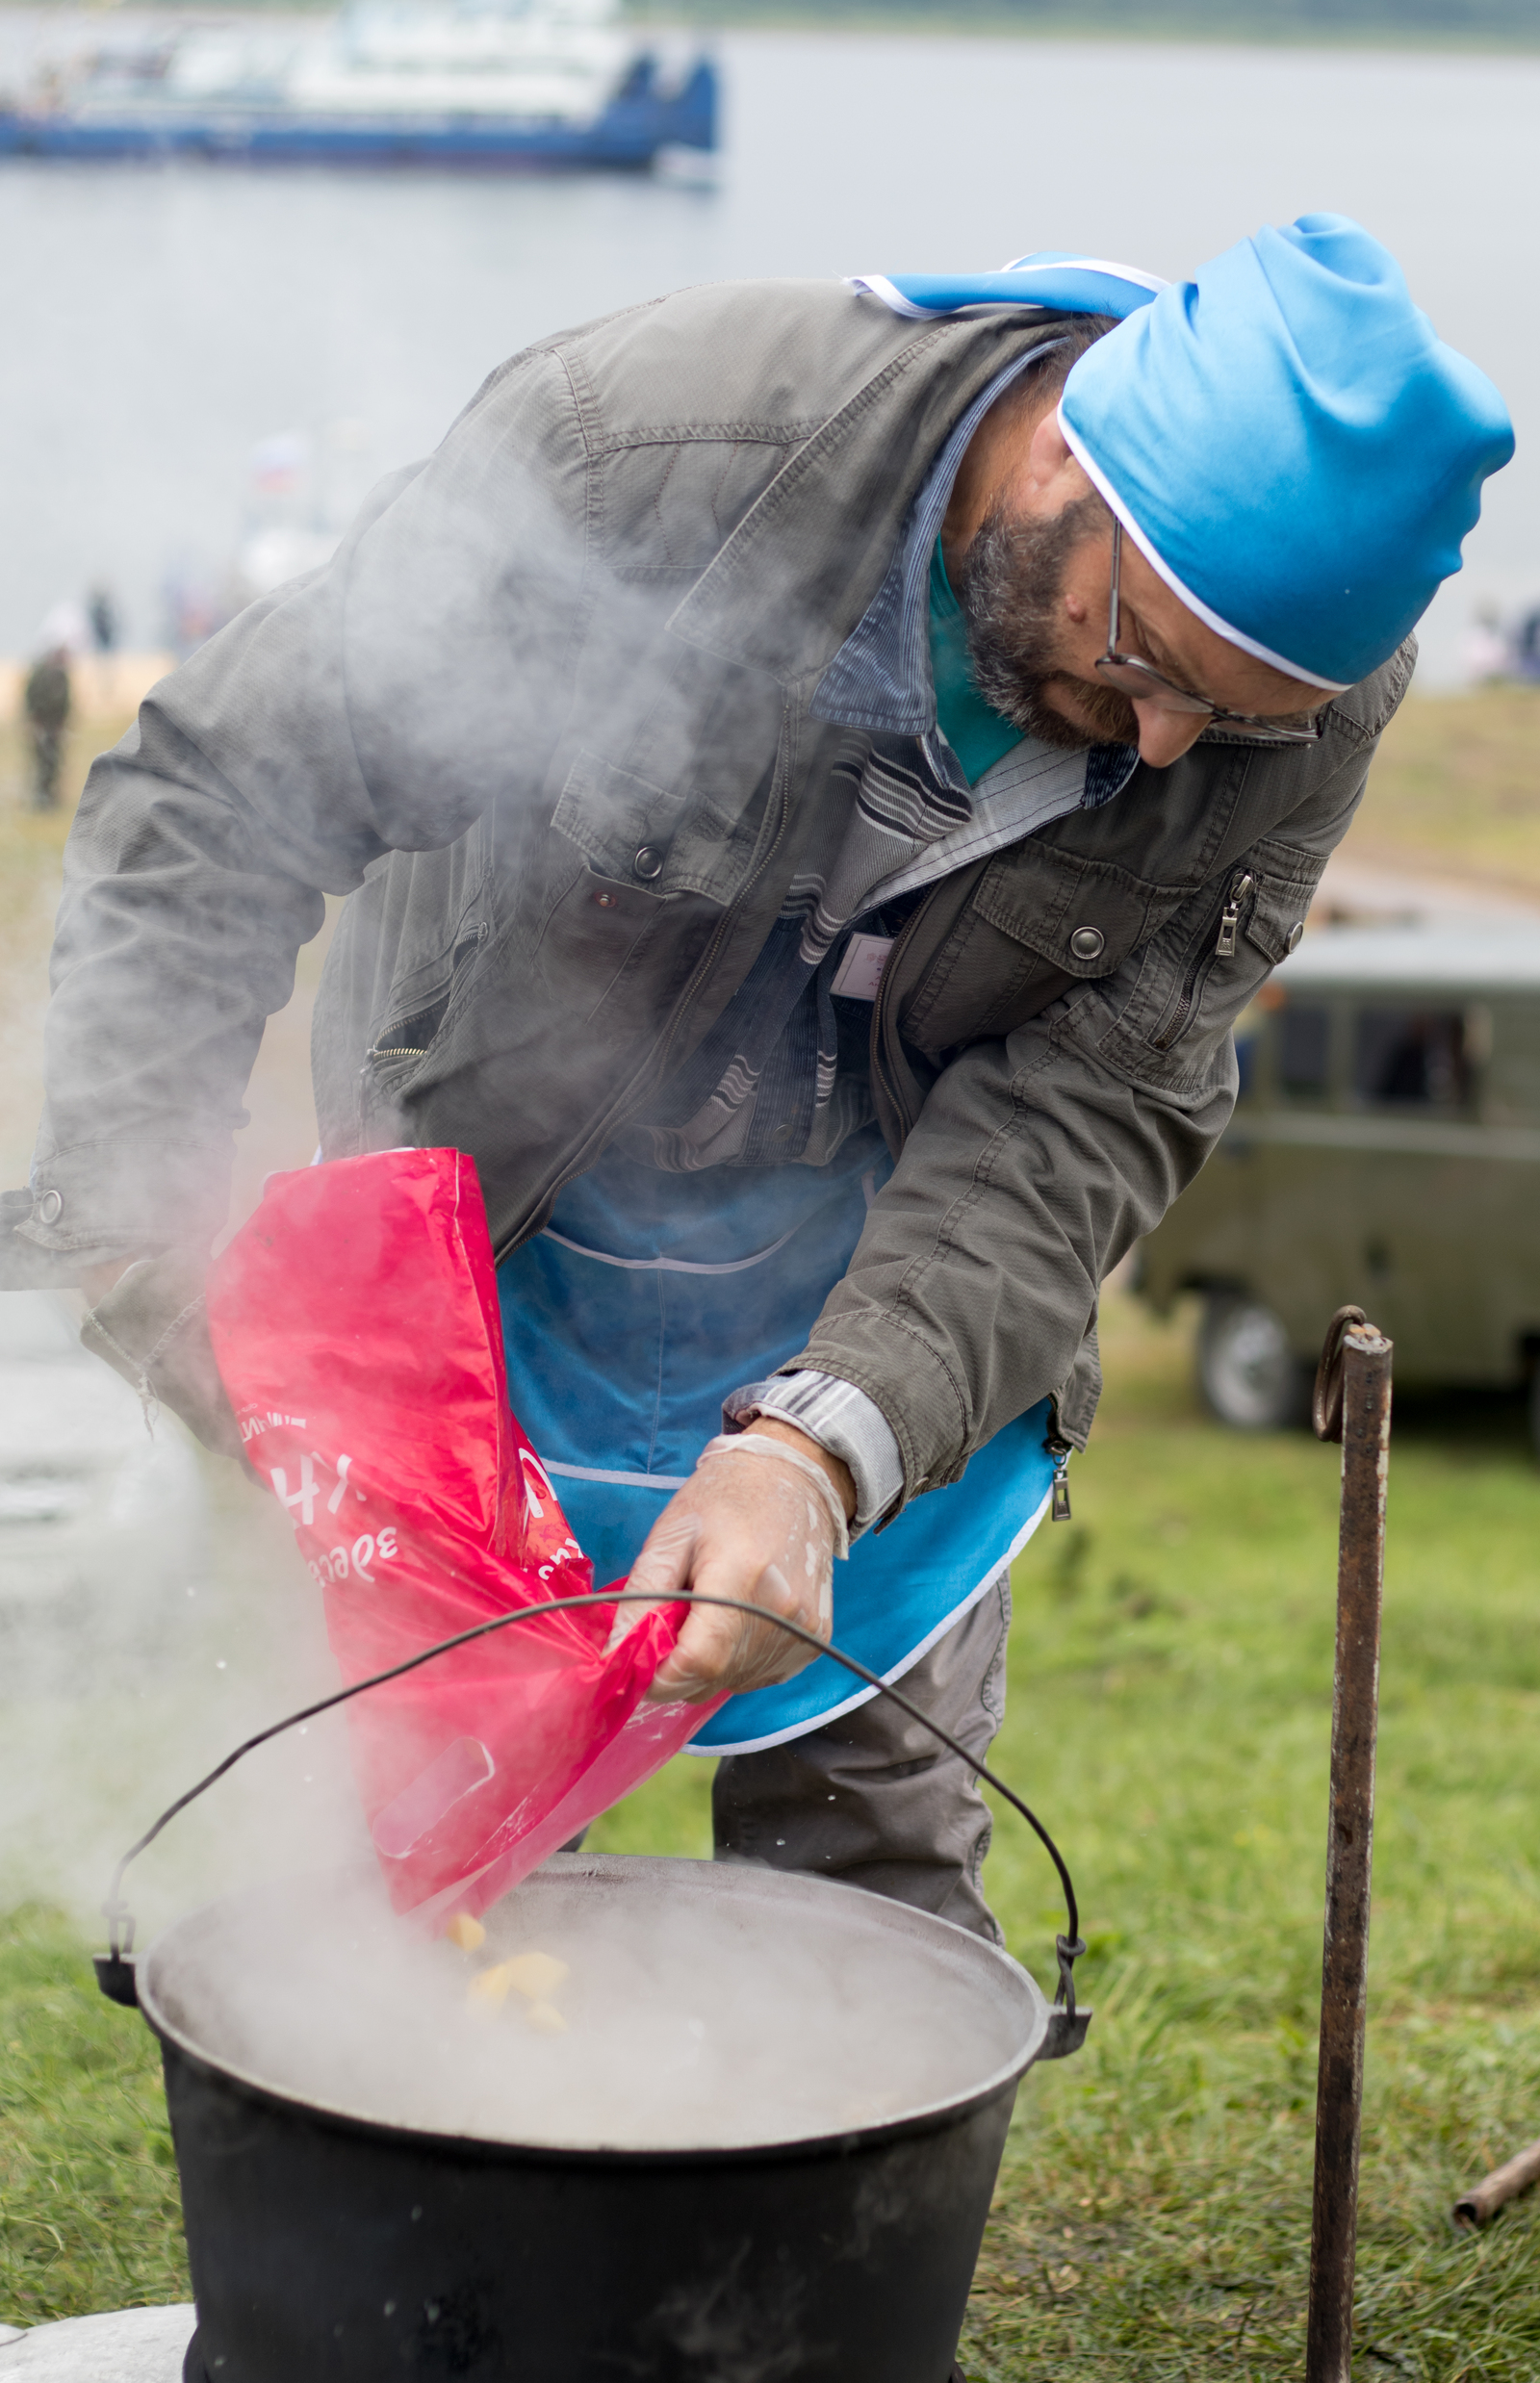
pixel 920 2120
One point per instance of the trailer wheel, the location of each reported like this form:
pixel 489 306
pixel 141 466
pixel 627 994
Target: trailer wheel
pixel 1248 1373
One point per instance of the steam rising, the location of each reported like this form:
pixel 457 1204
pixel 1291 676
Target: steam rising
pixel 117 1699
pixel 696 2010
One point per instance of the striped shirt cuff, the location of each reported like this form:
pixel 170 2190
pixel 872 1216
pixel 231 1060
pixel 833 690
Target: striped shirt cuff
pixel 842 1420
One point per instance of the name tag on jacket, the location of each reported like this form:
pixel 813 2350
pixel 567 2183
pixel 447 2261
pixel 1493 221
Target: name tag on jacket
pixel 861 972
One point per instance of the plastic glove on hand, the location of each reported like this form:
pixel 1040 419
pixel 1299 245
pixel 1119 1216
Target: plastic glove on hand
pixel 152 1327
pixel 748 1528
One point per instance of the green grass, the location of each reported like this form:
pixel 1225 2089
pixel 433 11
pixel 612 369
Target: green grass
pixel 89 2211
pixel 1454 786
pixel 1170 1710
pixel 1170 1705
pixel 1169 1716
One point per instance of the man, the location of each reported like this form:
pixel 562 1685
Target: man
pixel 102 614
pixel 46 701
pixel 816 770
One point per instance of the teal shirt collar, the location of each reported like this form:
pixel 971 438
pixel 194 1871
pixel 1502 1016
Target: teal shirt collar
pixel 978 734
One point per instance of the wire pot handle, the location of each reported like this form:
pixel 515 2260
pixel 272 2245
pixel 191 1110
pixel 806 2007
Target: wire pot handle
pixel 1068 1948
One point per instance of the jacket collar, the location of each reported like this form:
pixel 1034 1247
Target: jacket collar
pixel 881 676
pixel 787 589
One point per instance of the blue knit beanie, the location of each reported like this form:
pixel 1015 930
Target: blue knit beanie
pixel 1283 435
pixel 1294 450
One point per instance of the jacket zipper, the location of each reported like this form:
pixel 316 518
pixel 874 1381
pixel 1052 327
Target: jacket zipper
pixel 1242 885
pixel 1060 1450
pixel 465 949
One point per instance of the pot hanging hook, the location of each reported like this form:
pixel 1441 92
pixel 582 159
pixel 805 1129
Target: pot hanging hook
pixel 1326 1404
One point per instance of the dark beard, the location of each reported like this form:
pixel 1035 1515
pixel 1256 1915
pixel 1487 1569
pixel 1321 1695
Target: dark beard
pixel 1011 589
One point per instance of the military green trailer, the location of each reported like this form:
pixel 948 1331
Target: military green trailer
pixel 1385 1149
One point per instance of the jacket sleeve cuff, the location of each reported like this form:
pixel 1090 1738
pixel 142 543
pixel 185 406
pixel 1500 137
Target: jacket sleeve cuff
pixel 842 1420
pixel 93 1201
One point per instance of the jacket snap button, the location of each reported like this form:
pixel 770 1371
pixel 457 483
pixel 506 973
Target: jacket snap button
pixel 50 1208
pixel 1295 933
pixel 1088 943
pixel 606 902
pixel 649 861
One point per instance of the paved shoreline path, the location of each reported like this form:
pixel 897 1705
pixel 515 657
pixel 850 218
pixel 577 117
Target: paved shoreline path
pixel 127 2345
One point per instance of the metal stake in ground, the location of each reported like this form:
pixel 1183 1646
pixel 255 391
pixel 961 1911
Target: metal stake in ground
pixel 1352 1405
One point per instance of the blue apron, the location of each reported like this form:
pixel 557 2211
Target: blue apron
pixel 648 1298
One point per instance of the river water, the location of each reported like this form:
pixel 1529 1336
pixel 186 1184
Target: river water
pixel 160 324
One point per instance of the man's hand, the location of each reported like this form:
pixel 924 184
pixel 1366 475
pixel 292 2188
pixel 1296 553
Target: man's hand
pixel 148 1320
pixel 748 1528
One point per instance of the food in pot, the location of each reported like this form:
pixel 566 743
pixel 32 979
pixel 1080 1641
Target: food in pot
pixel 488 1990
pixel 535 1976
pixel 632 2006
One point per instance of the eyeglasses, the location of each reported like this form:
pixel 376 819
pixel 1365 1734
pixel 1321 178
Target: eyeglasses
pixel 1143 684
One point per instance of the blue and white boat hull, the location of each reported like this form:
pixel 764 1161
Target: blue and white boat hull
pixel 628 134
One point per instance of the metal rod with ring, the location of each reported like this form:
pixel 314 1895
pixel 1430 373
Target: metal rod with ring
pixel 1352 1405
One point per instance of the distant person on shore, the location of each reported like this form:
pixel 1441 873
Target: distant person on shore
pixel 102 614
pixel 46 701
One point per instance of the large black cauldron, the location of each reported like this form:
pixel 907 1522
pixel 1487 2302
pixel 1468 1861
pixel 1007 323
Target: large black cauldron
pixel 329 2246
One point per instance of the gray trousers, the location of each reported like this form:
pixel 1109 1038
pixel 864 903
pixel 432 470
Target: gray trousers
pixel 872 1799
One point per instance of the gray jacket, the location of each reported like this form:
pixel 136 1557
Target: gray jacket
pixel 547 721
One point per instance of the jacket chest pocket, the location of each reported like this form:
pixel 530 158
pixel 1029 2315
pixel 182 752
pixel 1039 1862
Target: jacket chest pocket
pixel 623 826
pixel 656 839
pixel 596 929
pixel 1208 961
pixel 1034 922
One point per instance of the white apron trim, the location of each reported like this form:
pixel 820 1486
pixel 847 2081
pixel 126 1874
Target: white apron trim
pixel 863 1696
pixel 621 1481
pixel 662 1265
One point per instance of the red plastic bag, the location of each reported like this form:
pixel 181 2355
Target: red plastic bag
pixel 356 1325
